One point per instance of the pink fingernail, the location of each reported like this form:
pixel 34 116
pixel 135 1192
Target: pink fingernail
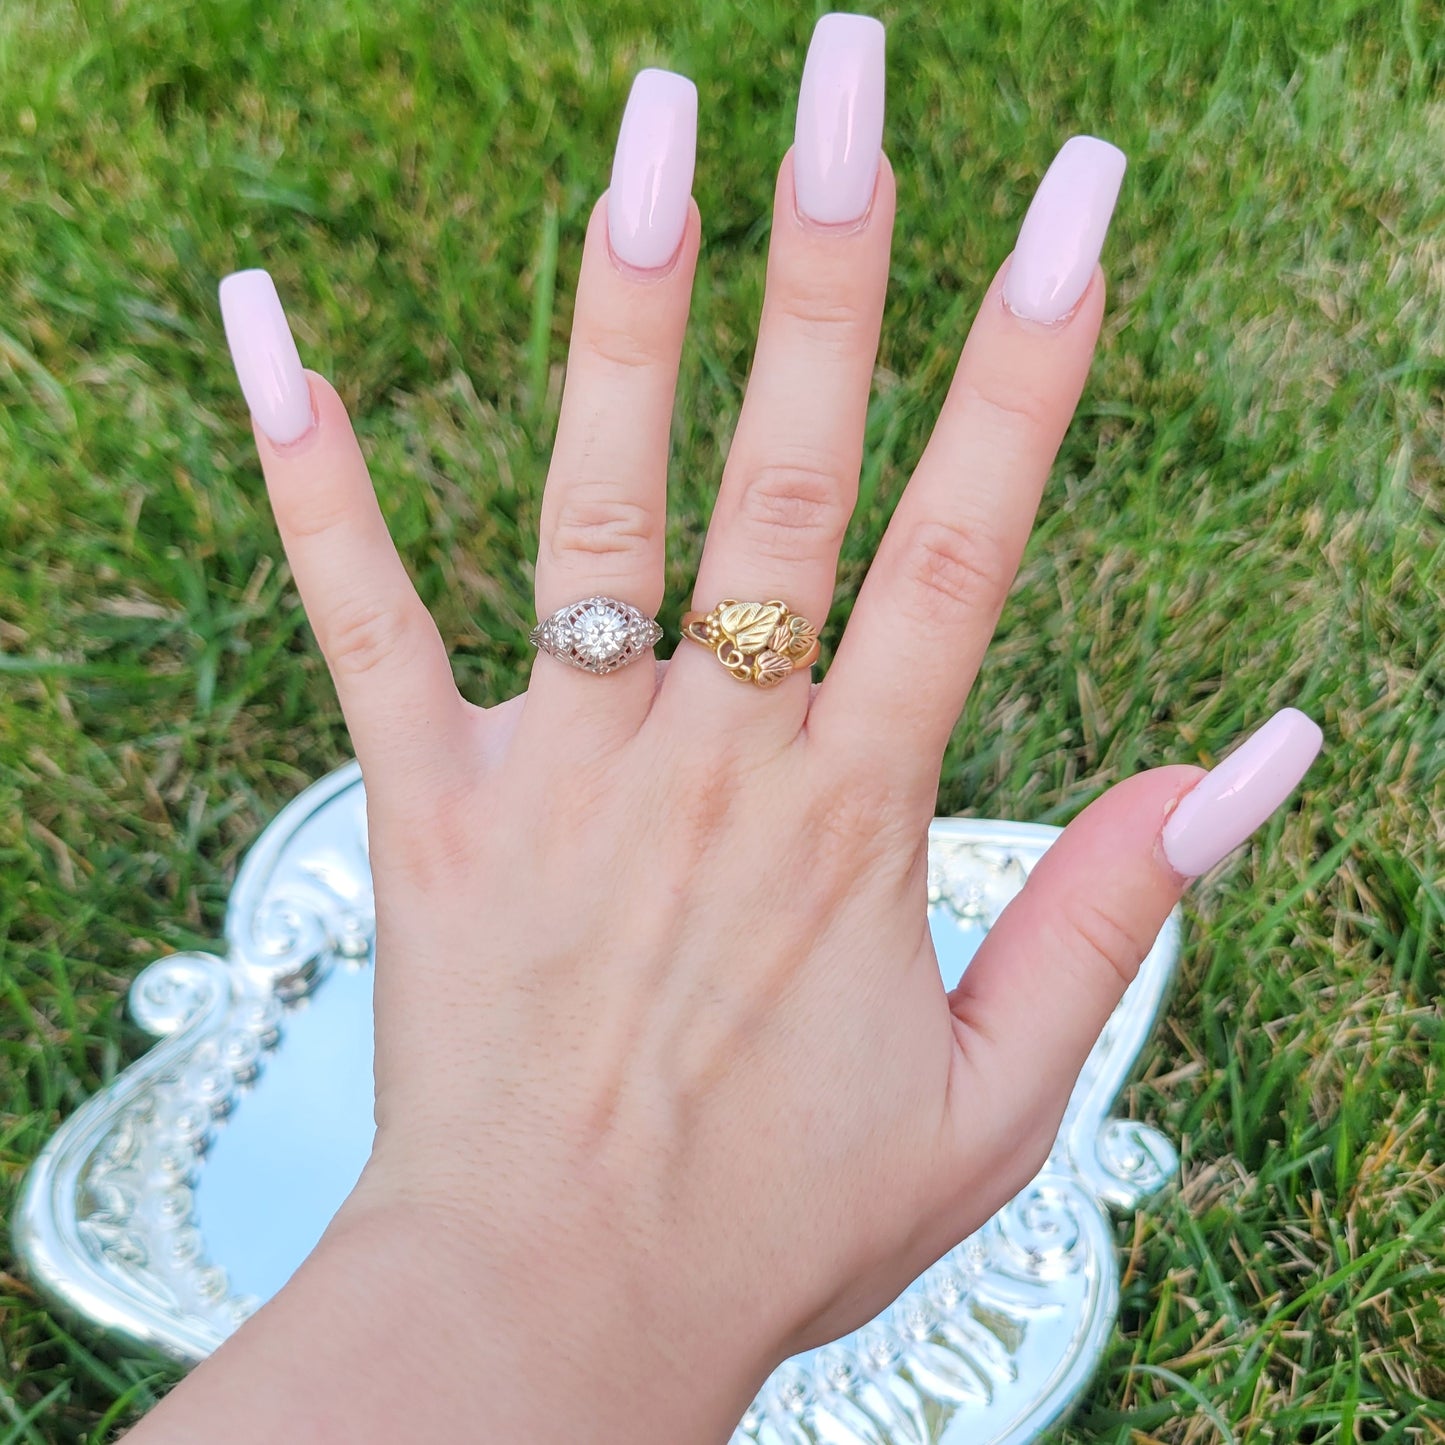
pixel 647 202
pixel 839 132
pixel 265 357
pixel 1233 799
pixel 1063 232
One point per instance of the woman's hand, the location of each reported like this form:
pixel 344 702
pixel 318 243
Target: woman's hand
pixel 668 1085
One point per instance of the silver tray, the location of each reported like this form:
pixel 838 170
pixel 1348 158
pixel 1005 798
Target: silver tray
pixel 169 1206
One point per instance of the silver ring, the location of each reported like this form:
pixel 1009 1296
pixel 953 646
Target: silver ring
pixel 597 634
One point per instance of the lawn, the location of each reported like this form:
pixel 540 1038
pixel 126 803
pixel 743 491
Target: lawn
pixel 1249 512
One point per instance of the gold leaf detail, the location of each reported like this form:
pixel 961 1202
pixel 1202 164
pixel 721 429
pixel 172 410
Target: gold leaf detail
pixel 771 668
pixel 804 634
pixel 782 639
pixel 750 624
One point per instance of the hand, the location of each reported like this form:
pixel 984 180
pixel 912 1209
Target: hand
pixel 668 1086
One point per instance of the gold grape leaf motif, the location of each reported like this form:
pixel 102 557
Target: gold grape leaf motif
pixel 804 634
pixel 771 668
pixel 758 642
pixel 750 624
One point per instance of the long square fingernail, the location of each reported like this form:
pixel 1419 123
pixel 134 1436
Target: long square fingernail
pixel 1063 233
pixel 647 202
pixel 839 133
pixel 265 357
pixel 1237 795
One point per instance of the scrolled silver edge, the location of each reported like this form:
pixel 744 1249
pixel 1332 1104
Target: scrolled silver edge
pixel 62 1243
pixel 169 995
pixel 1130 1162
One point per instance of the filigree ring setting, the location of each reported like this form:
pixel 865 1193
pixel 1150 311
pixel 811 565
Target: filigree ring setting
pixel 758 642
pixel 597 634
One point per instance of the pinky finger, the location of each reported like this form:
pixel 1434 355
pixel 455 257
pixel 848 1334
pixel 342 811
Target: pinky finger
pixel 386 657
pixel 1058 960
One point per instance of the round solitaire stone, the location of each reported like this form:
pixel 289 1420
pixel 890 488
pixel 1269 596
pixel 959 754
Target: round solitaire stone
pixel 599 634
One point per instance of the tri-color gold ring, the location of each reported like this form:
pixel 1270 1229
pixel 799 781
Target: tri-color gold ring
pixel 758 642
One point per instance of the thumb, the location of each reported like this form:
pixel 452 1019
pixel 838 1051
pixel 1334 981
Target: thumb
pixel 1057 962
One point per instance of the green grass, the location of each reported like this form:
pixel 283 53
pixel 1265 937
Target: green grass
pixel 1250 511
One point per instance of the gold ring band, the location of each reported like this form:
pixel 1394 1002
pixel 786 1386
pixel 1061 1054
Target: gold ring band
pixel 758 642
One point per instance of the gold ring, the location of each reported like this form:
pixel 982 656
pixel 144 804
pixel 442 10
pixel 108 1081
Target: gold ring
pixel 758 642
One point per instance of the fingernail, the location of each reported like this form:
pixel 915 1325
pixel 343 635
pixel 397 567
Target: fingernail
pixel 652 170
pixel 839 132
pixel 265 357
pixel 1063 233
pixel 1233 799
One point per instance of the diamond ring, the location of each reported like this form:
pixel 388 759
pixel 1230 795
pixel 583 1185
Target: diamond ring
pixel 758 642
pixel 597 634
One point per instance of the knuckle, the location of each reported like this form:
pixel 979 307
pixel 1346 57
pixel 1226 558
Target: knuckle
pixel 954 567
pixel 845 832
pixel 624 346
pixel 438 836
pixel 362 634
pixel 1003 408
pixel 862 825
pixel 703 811
pixel 595 520
pixel 305 514
pixel 815 303
pixel 785 505
pixel 1105 937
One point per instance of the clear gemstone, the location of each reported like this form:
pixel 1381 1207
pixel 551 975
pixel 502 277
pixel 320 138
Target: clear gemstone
pixel 599 634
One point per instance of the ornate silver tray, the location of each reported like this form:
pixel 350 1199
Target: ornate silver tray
pixel 168 1207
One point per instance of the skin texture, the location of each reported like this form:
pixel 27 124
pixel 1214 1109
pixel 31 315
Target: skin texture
pixel 668 1086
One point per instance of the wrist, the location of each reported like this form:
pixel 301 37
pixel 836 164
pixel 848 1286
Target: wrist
pixel 539 1335
pixel 401 1325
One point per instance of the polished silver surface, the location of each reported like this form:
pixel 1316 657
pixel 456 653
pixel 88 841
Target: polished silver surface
pixel 597 634
pixel 167 1207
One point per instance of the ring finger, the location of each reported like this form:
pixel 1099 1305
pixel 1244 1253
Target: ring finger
pixel 791 477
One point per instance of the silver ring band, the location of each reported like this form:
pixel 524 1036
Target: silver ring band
pixel 597 634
